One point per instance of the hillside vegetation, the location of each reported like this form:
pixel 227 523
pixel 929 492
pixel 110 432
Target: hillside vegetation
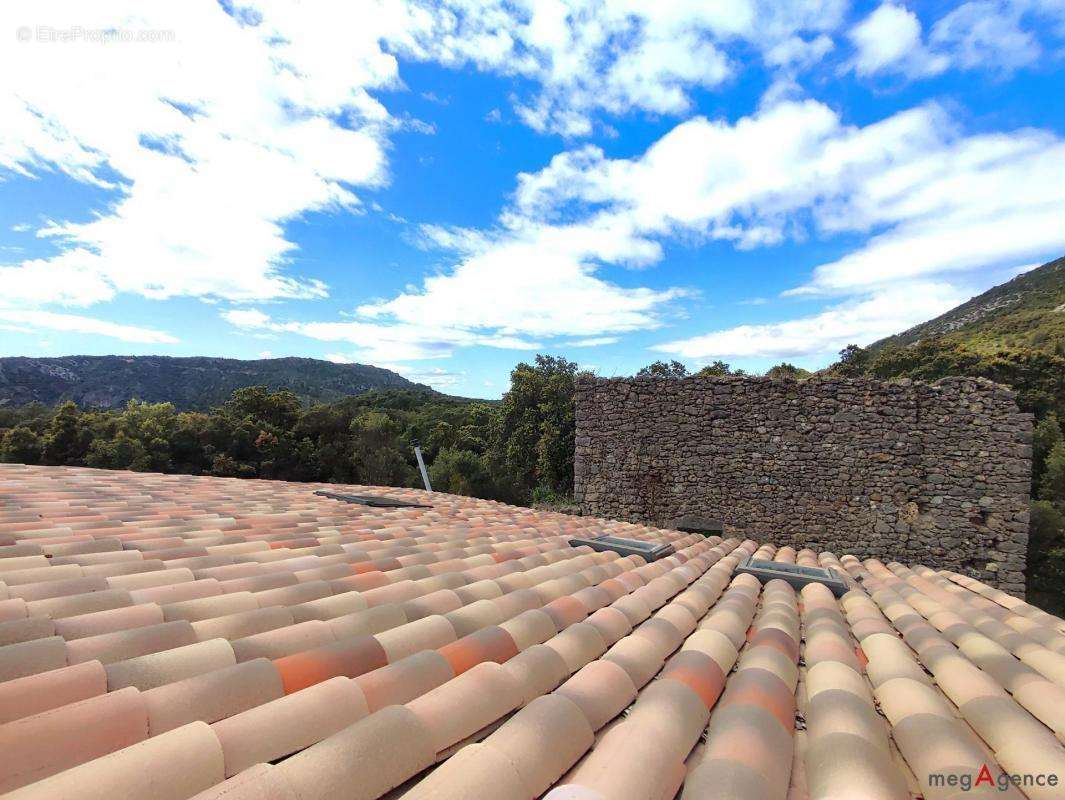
pixel 516 450
pixel 187 383
pixel 1013 334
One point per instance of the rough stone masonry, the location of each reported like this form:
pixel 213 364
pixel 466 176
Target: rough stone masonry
pixel 936 474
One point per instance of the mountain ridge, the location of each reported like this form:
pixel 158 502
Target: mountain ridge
pixel 1026 312
pixel 190 383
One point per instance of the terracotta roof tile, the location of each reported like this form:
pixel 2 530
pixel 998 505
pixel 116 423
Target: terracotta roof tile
pixel 423 634
pixel 173 766
pixel 167 666
pixel 43 691
pixel 369 621
pixel 242 624
pixel 77 604
pixel 466 704
pixel 280 642
pixel 376 754
pixel 29 658
pixel 212 696
pixel 404 680
pixel 259 782
pixel 347 657
pixel 44 744
pixel 26 629
pixel 130 642
pixel 402 637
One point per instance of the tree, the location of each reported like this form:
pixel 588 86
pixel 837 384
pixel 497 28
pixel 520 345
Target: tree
pixel 278 408
pixel 1047 540
pixel 533 432
pixel 120 452
pixel 718 368
pixel 787 371
pixel 1045 436
pixel 376 457
pixel 461 472
pixel 853 361
pixel 65 441
pixel 1052 483
pixel 660 369
pixel 20 445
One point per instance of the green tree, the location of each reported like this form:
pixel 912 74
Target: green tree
pixel 662 369
pixel 461 472
pixel 853 361
pixel 279 408
pixel 1052 482
pixel 1045 436
pixel 20 445
pixel 718 368
pixel 533 433
pixel 787 371
pixel 1047 546
pixel 120 452
pixel 65 440
pixel 377 458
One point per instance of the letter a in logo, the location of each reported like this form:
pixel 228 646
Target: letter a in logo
pixel 984 776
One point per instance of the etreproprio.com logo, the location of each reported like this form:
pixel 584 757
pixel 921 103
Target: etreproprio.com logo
pixel 984 778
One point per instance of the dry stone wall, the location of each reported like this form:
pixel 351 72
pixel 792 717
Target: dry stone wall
pixel 936 474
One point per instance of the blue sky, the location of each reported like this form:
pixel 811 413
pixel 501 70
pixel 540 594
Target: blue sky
pixel 448 188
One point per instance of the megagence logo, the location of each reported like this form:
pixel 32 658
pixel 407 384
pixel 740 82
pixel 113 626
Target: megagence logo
pixel 985 779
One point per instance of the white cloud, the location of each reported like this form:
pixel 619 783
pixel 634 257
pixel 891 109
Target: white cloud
pixel 798 52
pixel 74 323
pixel 246 318
pixel 938 201
pixel 377 343
pixel 991 35
pixel 588 56
pixel 986 201
pixel 538 282
pixel 209 143
pixel 860 322
pixel 890 38
pixel 987 34
pixel 596 341
pixel 437 377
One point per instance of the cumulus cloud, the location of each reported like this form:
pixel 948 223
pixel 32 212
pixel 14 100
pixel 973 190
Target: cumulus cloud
pixel 890 39
pixel 437 377
pixel 929 192
pixel 859 321
pixel 595 341
pixel 206 141
pixel 377 343
pixel 936 201
pixel 989 34
pixel 205 145
pixel 27 320
pixel 992 35
pixel 586 56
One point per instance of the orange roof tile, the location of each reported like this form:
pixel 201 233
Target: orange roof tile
pixel 173 636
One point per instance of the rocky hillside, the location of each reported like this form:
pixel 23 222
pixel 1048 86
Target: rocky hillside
pixel 188 383
pixel 1026 313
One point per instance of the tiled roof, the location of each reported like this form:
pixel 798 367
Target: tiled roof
pixel 175 637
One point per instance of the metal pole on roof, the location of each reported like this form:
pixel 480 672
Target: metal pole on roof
pixel 421 466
